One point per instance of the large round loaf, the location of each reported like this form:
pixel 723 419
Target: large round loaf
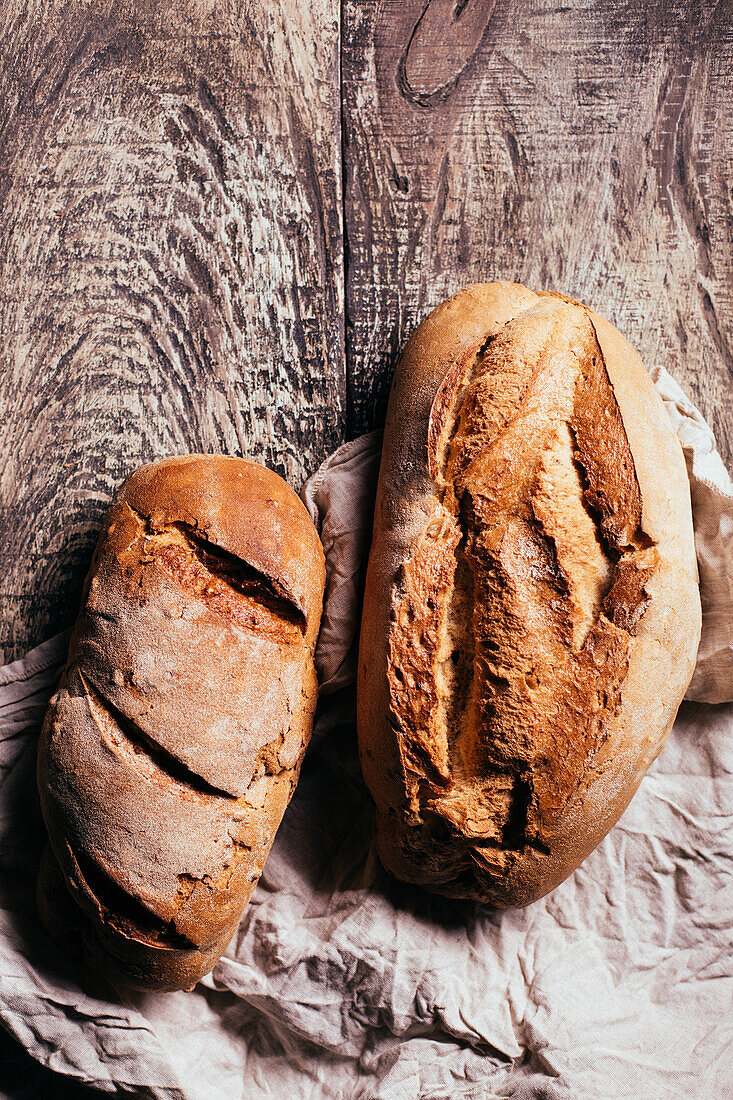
pixel 531 614
pixel 173 745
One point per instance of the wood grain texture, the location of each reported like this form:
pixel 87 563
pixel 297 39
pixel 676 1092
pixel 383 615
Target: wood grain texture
pixel 583 147
pixel 170 261
pixel 171 254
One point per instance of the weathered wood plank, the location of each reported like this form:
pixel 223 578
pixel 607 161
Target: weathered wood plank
pixel 583 147
pixel 170 254
pixel 171 272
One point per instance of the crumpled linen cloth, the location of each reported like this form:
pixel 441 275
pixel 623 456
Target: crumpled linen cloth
pixel 342 982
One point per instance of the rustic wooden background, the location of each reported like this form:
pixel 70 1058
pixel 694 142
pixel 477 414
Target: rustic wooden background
pixel 219 222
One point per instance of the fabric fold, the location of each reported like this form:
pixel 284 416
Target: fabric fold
pixel 341 981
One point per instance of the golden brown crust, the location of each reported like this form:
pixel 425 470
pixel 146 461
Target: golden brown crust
pixel 530 589
pixel 169 753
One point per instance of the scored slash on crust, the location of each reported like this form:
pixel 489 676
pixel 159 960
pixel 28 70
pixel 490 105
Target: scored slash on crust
pixel 512 617
pixel 228 585
pixel 172 747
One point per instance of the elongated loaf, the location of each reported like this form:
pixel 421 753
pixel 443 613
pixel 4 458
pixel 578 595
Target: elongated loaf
pixel 173 745
pixel 531 614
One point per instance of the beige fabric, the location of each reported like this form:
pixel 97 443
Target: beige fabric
pixel 343 983
pixel 712 508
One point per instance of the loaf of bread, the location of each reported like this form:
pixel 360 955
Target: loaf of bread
pixel 173 745
pixel 531 614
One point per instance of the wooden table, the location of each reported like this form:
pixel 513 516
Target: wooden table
pixel 220 221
